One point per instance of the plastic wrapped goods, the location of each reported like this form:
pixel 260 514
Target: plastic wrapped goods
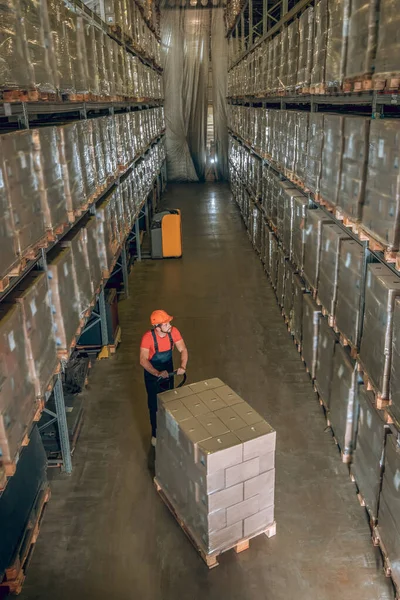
pixel 109 143
pixel 280 276
pixel 331 240
pixel 80 68
pixel 305 48
pixel 293 54
pixel 273 260
pixel 72 167
pixel 8 239
pixel 354 166
pixel 381 289
pixel 77 241
pixel 387 53
pixel 343 407
pixel 395 363
pixel 71 77
pixel 54 204
pixel 301 137
pixel 99 151
pixel 87 154
pixel 64 297
pixel 350 282
pixel 22 168
pixel 296 323
pixel 217 469
pixel 34 15
pixel 108 234
pixel 94 258
pixel 316 219
pixel 368 458
pixel 300 212
pixel 289 147
pixel 91 58
pixel 310 328
pixel 101 49
pixel 320 41
pixel 327 341
pixel 60 56
pixel 283 56
pixel 283 205
pixel 277 47
pixel 288 287
pixel 389 508
pixel 17 392
pixel 381 210
pixel 332 158
pixel 339 12
pixel 15 71
pixel 362 37
pixel 32 294
pixel 314 151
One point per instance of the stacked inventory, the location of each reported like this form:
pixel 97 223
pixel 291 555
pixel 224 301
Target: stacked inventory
pixel 215 463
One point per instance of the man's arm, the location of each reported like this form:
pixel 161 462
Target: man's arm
pixel 146 364
pixel 181 347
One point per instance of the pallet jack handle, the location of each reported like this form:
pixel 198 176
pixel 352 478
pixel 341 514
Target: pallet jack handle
pixel 173 374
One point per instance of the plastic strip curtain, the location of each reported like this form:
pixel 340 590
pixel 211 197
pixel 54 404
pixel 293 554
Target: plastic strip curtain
pixel 186 38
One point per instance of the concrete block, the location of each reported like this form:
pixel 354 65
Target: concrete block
pixel 219 452
pixel 257 439
pixel 247 414
pixel 225 538
pixel 266 498
pixel 213 424
pixel 230 418
pixel 177 394
pixel 207 483
pixel 267 462
pixel 195 405
pixel 178 410
pixel 224 498
pixel 190 433
pixel 211 522
pixel 242 511
pixel 258 522
pixel 260 484
pixel 242 472
pixel 228 395
pixel 207 384
pixel 211 400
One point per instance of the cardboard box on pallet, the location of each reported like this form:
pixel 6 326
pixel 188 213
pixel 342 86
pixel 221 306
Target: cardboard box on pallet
pixel 314 151
pixel 332 153
pixel 331 239
pixel 108 232
pixel 300 212
pixel 350 283
pixel 77 240
pixel 395 363
pixel 368 459
pixel 387 52
pixel 320 42
pixel 362 38
pixel 17 392
pixel 316 219
pixel 336 48
pixel 381 289
pixel 297 315
pixel 310 329
pixel 306 42
pixel 288 287
pixel 280 276
pixel 8 238
pixel 215 461
pixel 72 165
pixel 327 339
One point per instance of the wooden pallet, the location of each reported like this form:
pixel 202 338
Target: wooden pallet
pixel 386 82
pixel 328 205
pixel 33 251
pixel 75 97
pixel 15 574
pixel 325 313
pixel 346 342
pixel 347 221
pixel 361 83
pixel 25 95
pixel 389 253
pixel 372 520
pixel 392 423
pixel 387 567
pixel 346 458
pixel 319 89
pixel 210 559
pixel 380 403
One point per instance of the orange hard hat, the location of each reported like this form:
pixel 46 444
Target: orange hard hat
pixel 158 317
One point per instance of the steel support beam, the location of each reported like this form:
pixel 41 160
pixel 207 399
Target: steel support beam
pixel 62 426
pixel 103 318
pixel 124 266
pixel 137 237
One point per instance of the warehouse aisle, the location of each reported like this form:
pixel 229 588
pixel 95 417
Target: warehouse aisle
pixel 106 534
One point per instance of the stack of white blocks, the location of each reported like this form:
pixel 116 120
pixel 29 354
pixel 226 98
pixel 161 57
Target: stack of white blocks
pixel 215 462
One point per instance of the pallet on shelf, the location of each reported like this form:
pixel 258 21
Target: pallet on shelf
pixel 386 82
pixel 361 83
pixel 347 221
pixel 319 89
pixel 325 313
pixel 25 95
pixel 326 203
pixel 371 519
pixel 392 423
pixel 11 466
pixel 380 402
pixel 15 574
pixel 211 560
pixel 364 235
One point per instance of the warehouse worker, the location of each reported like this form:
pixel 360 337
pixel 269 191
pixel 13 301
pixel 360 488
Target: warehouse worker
pixel 156 359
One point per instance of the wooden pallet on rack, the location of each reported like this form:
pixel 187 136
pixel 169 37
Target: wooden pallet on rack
pixel 349 222
pixel 15 574
pixel 387 566
pixel 319 89
pixel 386 82
pixel 360 83
pixel 326 203
pixel 372 520
pixel 211 559
pixel 25 95
pixel 380 403
pixel 325 313
pixel 390 255
pixel 392 423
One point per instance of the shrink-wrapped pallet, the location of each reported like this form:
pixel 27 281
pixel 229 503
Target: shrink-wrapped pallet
pixel 354 166
pixel 8 238
pixel 349 289
pixel 274 198
pixel 301 137
pixel 266 258
pixel 122 137
pixel 277 46
pixel 332 154
pixel 101 49
pixel 215 463
pixel 34 15
pixel 386 61
pixel 362 38
pixel 54 203
pixel 289 147
pixel 94 258
pixel 23 174
pixel 64 297
pixel 17 392
pixel 296 323
pixel 337 38
pixel 77 241
pixel 88 159
pixel 310 329
pixel 382 287
pixel 110 63
pixel 65 45
pixel 91 58
pixel 368 459
pixel 282 206
pixel 395 363
pixel 331 240
pixel 99 151
pixel 80 68
pixel 293 55
pixel 300 212
pixel 305 49
pixel 320 41
pixel 389 508
pixel 343 405
pixel 381 210
pixel 283 59
pixel 41 354
pixel 273 259
pixel 108 234
pixel 316 220
pixel 280 276
pixel 288 287
pixel 327 340
pixel 15 71
pixel 314 151
pixel 109 143
pixel 72 167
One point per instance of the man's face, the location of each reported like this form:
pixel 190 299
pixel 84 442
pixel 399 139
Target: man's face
pixel 165 327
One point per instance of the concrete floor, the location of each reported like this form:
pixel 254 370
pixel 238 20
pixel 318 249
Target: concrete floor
pixel 106 534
